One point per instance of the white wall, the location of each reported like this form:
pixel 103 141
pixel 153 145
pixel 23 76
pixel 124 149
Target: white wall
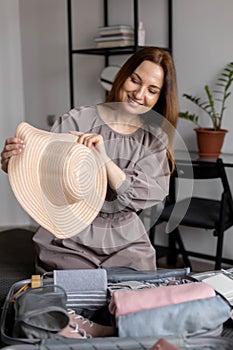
pixel 34 66
pixel 43 25
pixel 11 100
pixel 202 47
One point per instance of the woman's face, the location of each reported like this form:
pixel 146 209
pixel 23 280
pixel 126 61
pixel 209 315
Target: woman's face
pixel 141 90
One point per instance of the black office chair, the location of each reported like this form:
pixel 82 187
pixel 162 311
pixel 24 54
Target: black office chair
pixel 204 213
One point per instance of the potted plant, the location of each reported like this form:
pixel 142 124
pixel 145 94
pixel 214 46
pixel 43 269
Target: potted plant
pixel 210 140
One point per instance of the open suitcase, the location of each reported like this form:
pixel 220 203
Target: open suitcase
pixel 114 275
pixel 208 343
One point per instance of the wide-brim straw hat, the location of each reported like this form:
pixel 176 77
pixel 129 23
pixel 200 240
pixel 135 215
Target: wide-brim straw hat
pixel 61 184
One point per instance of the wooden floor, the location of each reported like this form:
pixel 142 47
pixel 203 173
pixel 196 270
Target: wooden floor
pixel 197 264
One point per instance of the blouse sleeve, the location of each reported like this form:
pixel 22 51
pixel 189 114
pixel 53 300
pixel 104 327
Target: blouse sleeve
pixel 146 183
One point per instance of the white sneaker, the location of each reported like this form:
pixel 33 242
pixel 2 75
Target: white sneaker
pixel 81 327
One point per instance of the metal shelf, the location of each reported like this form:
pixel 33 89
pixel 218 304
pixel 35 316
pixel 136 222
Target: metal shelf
pixel 111 51
pixel 118 50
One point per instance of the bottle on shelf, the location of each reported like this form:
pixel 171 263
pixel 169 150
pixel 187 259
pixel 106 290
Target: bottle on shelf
pixel 141 34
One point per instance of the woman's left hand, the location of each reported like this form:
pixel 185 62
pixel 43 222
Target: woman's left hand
pixel 115 175
pixel 92 141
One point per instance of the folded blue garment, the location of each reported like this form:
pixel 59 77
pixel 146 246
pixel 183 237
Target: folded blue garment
pixel 180 320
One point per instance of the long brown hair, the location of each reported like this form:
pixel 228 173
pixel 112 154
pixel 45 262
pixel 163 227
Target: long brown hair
pixel 167 104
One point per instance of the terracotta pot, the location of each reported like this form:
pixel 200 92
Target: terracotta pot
pixel 210 141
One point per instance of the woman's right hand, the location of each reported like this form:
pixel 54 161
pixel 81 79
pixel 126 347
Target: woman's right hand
pixel 12 147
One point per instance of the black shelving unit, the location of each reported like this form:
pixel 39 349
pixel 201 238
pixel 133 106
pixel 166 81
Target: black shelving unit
pixel 113 51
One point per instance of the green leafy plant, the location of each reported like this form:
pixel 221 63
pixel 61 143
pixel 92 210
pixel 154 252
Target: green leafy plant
pixel 219 95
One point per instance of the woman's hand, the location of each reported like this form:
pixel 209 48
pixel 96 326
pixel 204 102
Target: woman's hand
pixel 115 175
pixel 12 147
pixel 92 141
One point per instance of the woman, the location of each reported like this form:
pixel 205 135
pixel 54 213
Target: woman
pixel 136 151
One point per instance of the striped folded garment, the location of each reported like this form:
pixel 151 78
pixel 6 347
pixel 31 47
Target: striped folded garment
pixel 85 288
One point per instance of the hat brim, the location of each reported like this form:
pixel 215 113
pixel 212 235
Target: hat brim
pixel 60 216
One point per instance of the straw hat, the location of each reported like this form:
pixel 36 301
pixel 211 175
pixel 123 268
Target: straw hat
pixel 61 184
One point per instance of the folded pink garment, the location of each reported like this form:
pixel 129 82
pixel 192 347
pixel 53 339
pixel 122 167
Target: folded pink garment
pixel 163 344
pixel 127 301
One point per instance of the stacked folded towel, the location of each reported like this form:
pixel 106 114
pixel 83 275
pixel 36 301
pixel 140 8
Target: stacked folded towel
pixel 85 289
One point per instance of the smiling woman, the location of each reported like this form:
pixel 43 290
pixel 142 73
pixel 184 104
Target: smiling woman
pixel 142 88
pixel 134 145
pixel 167 104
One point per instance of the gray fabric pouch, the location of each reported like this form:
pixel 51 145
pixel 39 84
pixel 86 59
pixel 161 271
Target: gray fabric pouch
pixel 40 312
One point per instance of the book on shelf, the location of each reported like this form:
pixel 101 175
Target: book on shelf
pixel 130 35
pixel 115 29
pixel 114 43
pixel 116 26
pixel 113 38
pixel 115 35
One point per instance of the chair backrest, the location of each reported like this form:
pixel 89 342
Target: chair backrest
pixel 198 209
pixel 204 170
pixel 201 170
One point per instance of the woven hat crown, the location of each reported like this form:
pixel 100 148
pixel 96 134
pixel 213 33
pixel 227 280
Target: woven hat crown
pixel 70 166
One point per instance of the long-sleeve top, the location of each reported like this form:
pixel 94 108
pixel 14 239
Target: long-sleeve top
pixel 142 155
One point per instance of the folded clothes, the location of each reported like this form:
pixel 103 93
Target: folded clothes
pixel 86 300
pixel 85 288
pixel 81 280
pixel 128 301
pixel 128 285
pixel 135 285
pixel 186 319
